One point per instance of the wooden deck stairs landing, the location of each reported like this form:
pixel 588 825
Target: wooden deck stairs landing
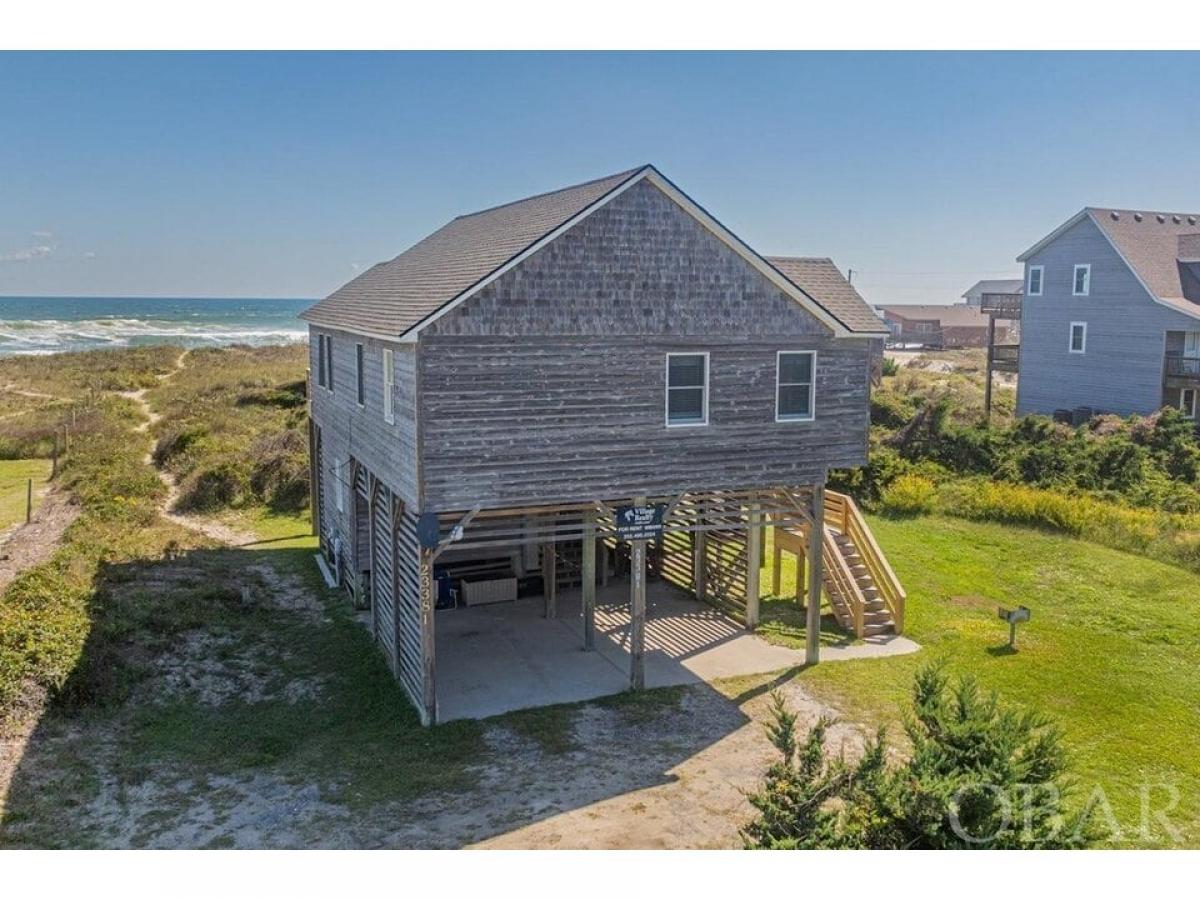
pixel 863 591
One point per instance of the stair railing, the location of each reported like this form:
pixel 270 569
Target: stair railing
pixel 843 514
pixel 838 574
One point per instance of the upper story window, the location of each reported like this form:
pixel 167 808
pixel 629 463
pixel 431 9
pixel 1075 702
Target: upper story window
pixel 339 489
pixel 795 385
pixel 1036 273
pixel 1082 284
pixel 1187 403
pixel 389 386
pixel 325 361
pixel 1078 338
pixel 687 389
pixel 359 379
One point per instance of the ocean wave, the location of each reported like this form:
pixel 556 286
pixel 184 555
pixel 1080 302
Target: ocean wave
pixel 44 336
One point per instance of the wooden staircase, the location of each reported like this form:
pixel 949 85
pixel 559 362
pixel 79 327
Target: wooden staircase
pixel 864 593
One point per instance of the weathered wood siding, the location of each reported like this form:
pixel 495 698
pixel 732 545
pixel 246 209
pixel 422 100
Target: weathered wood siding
pixel 549 385
pixel 1122 370
pixel 349 430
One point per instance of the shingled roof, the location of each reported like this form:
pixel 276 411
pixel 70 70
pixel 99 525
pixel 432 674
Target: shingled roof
pixel 1155 245
pixel 820 279
pixel 393 297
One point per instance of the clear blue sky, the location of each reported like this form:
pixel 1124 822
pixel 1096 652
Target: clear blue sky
pixel 283 174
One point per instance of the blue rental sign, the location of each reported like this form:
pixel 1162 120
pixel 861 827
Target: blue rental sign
pixel 640 523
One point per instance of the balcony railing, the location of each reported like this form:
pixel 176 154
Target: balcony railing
pixel 1180 366
pixel 1006 357
pixel 1002 306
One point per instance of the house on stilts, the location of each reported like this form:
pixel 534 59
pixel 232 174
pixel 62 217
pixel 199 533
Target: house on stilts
pixel 553 402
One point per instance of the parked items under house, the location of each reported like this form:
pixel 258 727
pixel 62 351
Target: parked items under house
pixel 484 401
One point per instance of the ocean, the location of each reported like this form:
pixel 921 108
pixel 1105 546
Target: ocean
pixel 41 325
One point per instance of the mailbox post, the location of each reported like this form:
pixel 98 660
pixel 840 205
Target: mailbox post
pixel 1012 617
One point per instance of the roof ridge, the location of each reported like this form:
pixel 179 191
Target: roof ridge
pixel 1145 211
pixel 827 259
pixel 628 173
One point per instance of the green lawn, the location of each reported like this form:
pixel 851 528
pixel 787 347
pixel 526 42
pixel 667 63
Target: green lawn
pixel 1112 651
pixel 14 477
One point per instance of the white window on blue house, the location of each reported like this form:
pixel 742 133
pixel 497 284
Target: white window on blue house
pixel 795 385
pixel 1035 280
pixel 1082 284
pixel 687 389
pixel 1187 403
pixel 1078 337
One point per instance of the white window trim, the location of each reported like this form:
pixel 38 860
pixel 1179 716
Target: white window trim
pixel 1071 339
pixel 667 390
pixel 1041 270
pixel 360 375
pixel 1087 280
pixel 339 489
pixel 812 387
pixel 328 362
pixel 1188 414
pixel 389 386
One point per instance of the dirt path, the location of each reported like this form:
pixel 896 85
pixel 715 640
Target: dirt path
pixel 209 528
pixel 31 544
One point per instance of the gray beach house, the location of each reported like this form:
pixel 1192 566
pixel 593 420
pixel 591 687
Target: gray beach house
pixel 1110 318
pixel 560 397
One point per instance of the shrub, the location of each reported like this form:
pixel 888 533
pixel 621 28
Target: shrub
pixel 176 441
pixel 979 775
pixel 889 367
pixel 890 410
pixel 280 473
pixel 225 484
pixel 909 495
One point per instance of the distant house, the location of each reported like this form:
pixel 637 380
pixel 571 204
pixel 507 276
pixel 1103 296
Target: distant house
pixel 974 294
pixel 498 410
pixel 1111 314
pixel 939 326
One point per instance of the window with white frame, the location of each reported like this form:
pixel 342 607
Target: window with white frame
pixel 321 377
pixel 687 389
pixel 325 361
pixel 1036 273
pixel 339 489
pixel 360 378
pixel 1081 285
pixel 795 385
pixel 1078 342
pixel 1187 403
pixel 389 386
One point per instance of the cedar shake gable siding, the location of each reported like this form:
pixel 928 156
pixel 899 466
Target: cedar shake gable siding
pixel 548 385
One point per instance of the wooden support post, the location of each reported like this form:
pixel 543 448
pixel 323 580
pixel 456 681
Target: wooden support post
pixel 28 501
pixel 776 572
pixel 588 587
pixel 550 580
pixel 54 457
pixel 753 564
pixel 428 645
pixel 987 384
pixel 637 611
pixel 700 564
pixel 799 578
pixel 812 642
pixel 603 564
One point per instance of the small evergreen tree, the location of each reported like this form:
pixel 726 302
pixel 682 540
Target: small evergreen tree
pixel 979 775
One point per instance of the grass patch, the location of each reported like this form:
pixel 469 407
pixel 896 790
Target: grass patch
pixel 14 479
pixel 1112 652
pixel 234 428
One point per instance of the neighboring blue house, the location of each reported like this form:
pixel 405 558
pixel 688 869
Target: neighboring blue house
pixel 1111 314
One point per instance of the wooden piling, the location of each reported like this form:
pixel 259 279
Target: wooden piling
pixel 812 637
pixel 637 611
pixel 588 587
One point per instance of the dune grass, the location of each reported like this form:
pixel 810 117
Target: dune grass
pixel 1112 651
pixel 14 479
